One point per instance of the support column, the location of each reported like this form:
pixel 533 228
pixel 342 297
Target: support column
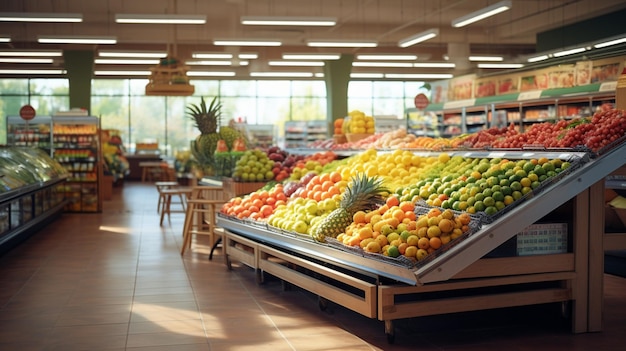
pixel 79 66
pixel 337 77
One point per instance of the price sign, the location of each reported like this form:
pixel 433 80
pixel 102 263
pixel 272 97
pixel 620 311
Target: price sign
pixel 27 112
pixel 421 101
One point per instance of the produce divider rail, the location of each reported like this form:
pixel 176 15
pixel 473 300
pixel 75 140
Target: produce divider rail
pixel 502 282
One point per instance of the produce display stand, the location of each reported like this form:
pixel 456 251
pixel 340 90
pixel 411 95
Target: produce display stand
pixel 386 291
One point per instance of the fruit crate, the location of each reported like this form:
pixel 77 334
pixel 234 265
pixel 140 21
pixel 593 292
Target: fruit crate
pixel 233 188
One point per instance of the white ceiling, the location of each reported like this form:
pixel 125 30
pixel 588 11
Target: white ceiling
pixel 511 33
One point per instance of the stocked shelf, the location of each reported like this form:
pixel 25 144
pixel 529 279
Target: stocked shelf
pixel 301 133
pixel 465 275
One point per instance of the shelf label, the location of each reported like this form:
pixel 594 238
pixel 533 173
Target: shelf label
pixel 608 86
pixel 529 95
pixel 459 103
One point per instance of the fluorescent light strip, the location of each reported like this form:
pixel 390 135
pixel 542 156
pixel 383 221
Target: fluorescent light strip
pixel 387 57
pixel 319 75
pixel 568 52
pixel 311 56
pixel 609 43
pixel 32 71
pixel 342 44
pixel 25 60
pixel 40 17
pixel 224 42
pixel 434 65
pixel 418 38
pixel 297 63
pixel 138 54
pixel 500 65
pixel 538 58
pixel 216 63
pixel 211 55
pixel 288 21
pixel 419 76
pixel 125 62
pixel 160 19
pixel 5 39
pixel 482 14
pixel 210 74
pixel 248 56
pixel 121 73
pixel 382 64
pixel 77 40
pixel 281 74
pixel 31 53
pixel 367 75
pixel 486 58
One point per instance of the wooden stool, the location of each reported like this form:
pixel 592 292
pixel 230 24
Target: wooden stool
pixel 200 219
pixel 149 170
pixel 162 186
pixel 166 203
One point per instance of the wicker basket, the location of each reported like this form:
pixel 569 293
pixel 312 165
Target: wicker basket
pixel 353 138
pixel 340 138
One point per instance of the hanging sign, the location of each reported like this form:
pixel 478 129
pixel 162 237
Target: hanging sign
pixel 421 101
pixel 27 112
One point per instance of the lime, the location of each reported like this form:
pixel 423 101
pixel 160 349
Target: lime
pixel 517 195
pixel 565 165
pixel 528 166
pixel 504 182
pixel 516 186
pixel 496 188
pixel 506 190
pixel 489 201
pixel 487 192
pixel 526 190
pixel 479 197
pixel 500 205
pixel 539 170
pixel 548 166
pixel 535 184
pixel 471 200
pixel 508 199
pixel 491 210
pixel 479 206
pixel 393 251
pixel 521 173
pixel 498 196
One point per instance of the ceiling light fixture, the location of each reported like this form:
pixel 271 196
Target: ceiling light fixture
pixel 500 65
pixel 137 54
pixel 32 71
pixel 569 52
pixel 234 42
pixel 311 56
pixel 288 21
pixel 486 58
pixel 217 63
pixel 160 19
pixel 342 44
pixel 297 63
pixel 281 74
pixel 434 65
pixel 31 53
pixel 25 60
pixel 210 74
pixel 387 57
pixel 121 73
pixel 418 38
pixel 5 39
pixel 382 64
pixel 125 62
pixel 40 17
pixel 538 58
pixel 418 76
pixel 248 56
pixel 212 55
pixel 76 40
pixel 367 75
pixel 610 43
pixel 482 14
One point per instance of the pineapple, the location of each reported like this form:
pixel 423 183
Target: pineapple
pixel 207 119
pixel 363 193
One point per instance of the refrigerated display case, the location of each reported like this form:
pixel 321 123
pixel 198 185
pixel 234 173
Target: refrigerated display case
pixel 465 276
pixel 36 132
pixel 29 193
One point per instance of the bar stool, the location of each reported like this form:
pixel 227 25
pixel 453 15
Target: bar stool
pixel 200 219
pixel 162 186
pixel 166 204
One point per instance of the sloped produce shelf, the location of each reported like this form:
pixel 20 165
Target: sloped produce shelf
pixel 470 280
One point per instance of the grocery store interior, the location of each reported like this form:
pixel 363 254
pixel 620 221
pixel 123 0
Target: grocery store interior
pixel 172 176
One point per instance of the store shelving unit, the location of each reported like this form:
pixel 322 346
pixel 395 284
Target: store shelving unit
pixel 76 146
pixel 422 123
pixel 301 133
pixel 461 278
pixel 36 132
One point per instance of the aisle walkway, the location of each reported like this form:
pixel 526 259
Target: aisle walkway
pixel 116 281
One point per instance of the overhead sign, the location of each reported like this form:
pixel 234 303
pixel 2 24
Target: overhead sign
pixel 27 112
pixel 421 101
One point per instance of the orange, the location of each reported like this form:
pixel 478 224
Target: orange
pixel 410 215
pixel 434 212
pixel 366 233
pixel 392 201
pixel 423 243
pixel 435 242
pixel 407 206
pixel 335 177
pixel 446 225
pixel 464 218
pixel 398 214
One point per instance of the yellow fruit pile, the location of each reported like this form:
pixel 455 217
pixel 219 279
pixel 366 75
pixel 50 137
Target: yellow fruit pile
pixel 358 123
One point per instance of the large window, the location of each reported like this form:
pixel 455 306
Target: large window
pixel 124 107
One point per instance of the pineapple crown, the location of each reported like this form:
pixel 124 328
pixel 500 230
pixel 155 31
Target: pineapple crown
pixel 363 193
pixel 207 118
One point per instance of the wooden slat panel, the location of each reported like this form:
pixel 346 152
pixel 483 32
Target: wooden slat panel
pixel 492 267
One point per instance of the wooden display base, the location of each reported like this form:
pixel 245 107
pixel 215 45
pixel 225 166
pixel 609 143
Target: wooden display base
pixel 153 89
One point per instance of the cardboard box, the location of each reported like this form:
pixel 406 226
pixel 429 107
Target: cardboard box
pixel 542 239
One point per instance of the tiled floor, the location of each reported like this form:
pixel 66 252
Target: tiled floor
pixel 116 281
